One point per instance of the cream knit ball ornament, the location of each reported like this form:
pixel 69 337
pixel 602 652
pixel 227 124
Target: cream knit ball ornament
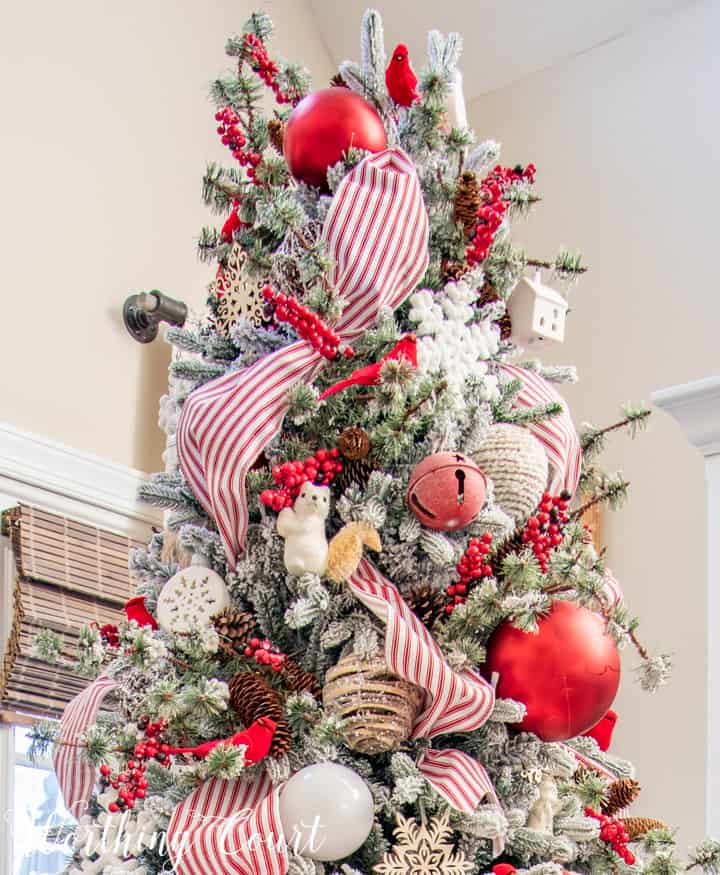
pixel 516 463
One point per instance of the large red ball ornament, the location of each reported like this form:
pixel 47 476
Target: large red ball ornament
pixel 446 491
pixel 567 674
pixel 323 126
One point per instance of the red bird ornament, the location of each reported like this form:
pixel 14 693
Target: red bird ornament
pixel 135 610
pixel 603 730
pixel 257 737
pixel 400 79
pixel 369 375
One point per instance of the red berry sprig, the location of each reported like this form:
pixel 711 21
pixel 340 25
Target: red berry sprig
pixel 308 325
pixel 473 566
pixel 265 67
pixel 320 469
pixel 131 783
pixel 612 831
pixel 545 527
pixel 232 136
pixel 492 212
pixel 109 634
pixel 264 652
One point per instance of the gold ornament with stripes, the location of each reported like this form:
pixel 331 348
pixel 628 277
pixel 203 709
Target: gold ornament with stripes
pixel 377 707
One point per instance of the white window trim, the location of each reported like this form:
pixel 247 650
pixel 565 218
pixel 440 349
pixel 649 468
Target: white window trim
pixel 696 407
pixel 81 486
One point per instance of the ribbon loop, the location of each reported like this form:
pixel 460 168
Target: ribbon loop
pixel 376 232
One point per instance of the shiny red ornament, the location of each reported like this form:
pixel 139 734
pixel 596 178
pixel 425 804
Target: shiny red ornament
pixel 446 491
pixel 323 126
pixel 567 674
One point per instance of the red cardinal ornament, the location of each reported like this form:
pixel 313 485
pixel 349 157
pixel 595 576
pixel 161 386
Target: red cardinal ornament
pixel 258 738
pixel 400 79
pixel 232 224
pixel 603 730
pixel 503 869
pixel 369 375
pixel 135 610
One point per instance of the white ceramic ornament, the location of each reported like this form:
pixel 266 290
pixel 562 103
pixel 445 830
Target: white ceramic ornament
pixel 326 811
pixel 189 599
pixel 537 312
pixel 303 528
pixel 545 807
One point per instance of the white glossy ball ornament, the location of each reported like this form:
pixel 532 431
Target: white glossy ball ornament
pixel 326 811
pixel 190 598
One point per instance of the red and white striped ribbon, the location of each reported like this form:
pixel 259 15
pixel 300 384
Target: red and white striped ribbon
pixel 75 777
pixel 376 232
pixel 229 828
pixel 557 434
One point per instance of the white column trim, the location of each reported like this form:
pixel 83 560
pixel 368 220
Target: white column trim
pixel 696 407
pixel 66 481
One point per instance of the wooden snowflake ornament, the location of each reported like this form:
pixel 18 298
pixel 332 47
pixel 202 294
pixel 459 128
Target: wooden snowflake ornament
pixel 238 298
pixel 190 598
pixel 423 849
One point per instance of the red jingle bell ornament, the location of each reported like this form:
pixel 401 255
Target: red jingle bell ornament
pixel 323 126
pixel 446 491
pixel 567 674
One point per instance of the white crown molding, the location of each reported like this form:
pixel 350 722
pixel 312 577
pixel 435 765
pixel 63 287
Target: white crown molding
pixel 79 485
pixel 696 407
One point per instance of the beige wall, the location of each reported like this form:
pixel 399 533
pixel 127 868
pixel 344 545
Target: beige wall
pixel 625 139
pixel 106 129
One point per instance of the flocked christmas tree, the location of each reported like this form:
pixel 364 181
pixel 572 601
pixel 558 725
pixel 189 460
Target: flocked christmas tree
pixel 375 632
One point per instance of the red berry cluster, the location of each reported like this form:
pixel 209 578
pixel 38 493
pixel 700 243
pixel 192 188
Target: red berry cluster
pixel 473 566
pixel 612 831
pixel 290 476
pixel 265 653
pixel 307 324
pixel 131 783
pixel 492 212
pixel 265 67
pixel 231 135
pixel 109 634
pixel 544 529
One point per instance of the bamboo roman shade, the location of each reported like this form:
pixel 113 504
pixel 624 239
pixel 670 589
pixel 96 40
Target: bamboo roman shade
pixel 68 574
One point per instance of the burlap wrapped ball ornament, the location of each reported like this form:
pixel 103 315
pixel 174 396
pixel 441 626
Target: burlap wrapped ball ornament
pixel 378 708
pixel 516 463
pixel 323 126
pixel 446 491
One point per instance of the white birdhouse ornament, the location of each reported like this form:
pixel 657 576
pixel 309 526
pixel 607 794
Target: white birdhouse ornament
pixel 537 312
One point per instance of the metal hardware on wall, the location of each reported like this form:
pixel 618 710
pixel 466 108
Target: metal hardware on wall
pixel 143 313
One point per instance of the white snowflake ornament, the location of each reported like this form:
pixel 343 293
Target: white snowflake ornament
pixel 190 598
pixel 424 850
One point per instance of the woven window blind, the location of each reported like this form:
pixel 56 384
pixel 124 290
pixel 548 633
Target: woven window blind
pixel 68 574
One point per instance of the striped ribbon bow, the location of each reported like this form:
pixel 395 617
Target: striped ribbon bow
pixel 557 434
pixel 376 232
pixel 75 777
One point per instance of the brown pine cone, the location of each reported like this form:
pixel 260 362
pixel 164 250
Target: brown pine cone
pixel 619 795
pixel 427 603
pixel 300 681
pixel 488 295
pixel 276 132
pixel 454 270
pixel 355 473
pixel 252 697
pixel 637 826
pixel 337 81
pixel 468 201
pixel 235 629
pixel 354 444
pixel 512 545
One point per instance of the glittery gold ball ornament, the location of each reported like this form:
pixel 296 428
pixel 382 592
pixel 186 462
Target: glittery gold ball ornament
pixel 516 463
pixel 378 708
